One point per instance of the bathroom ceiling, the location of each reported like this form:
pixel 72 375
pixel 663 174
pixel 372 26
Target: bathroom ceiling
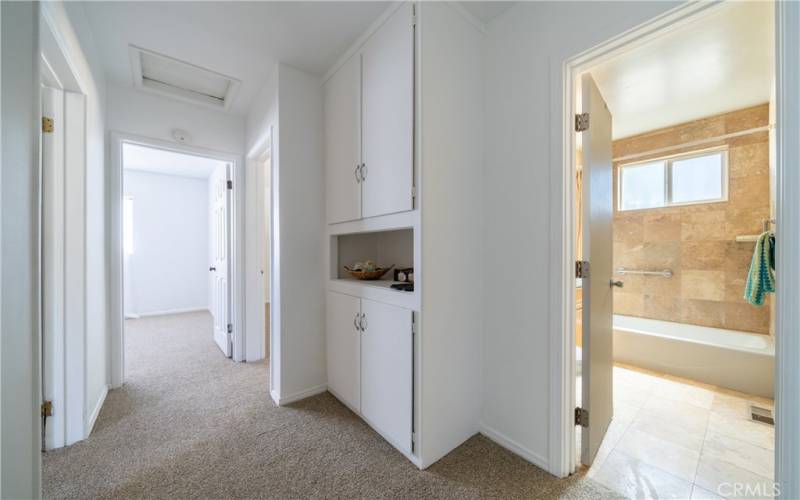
pixel 722 62
pixel 242 40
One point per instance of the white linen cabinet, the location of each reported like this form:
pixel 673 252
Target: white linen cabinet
pixel 403 160
pixel 370 363
pixel 369 125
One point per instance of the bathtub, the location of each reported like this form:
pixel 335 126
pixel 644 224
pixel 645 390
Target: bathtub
pixel 736 360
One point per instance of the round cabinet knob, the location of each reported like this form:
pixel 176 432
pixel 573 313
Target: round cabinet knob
pixel 617 283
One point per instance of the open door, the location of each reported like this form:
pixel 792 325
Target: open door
pixel 220 250
pixel 597 284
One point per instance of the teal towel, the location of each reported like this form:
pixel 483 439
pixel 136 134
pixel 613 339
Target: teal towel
pixel 761 278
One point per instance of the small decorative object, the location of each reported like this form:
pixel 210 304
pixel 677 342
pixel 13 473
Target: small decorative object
pixel 367 270
pixel 405 275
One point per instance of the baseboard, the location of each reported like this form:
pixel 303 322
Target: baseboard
pixel 297 396
pixel 510 445
pixel 172 311
pixel 96 411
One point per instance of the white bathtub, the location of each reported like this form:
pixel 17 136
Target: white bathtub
pixel 737 360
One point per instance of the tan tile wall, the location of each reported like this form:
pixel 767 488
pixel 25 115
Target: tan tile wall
pixel 698 241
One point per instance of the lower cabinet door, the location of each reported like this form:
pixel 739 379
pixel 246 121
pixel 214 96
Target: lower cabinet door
pixel 344 348
pixel 386 370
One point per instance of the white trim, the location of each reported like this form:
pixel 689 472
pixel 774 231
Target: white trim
pixel 170 311
pixel 297 396
pixel 787 366
pixel 115 191
pixel 512 446
pixel 96 412
pixel 563 75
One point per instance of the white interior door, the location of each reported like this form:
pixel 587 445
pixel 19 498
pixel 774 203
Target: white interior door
pixel 53 383
pixel 597 369
pixel 386 370
pixel 343 314
pixel 388 127
pixel 220 249
pixel 342 116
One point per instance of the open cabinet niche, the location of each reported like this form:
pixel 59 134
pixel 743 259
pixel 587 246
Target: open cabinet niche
pixel 385 248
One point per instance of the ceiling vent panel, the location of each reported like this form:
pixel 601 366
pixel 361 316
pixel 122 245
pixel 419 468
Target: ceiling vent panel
pixel 187 82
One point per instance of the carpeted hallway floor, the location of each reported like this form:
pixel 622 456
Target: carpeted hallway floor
pixel 189 423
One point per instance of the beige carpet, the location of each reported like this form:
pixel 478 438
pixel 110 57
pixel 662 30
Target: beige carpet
pixel 191 424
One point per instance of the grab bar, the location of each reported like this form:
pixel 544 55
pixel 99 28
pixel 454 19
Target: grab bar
pixel 666 273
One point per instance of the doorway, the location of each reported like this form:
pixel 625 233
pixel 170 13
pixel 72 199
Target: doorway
pixel 670 208
pixel 176 239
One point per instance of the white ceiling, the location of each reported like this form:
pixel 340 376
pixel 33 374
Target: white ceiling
pixel 158 161
pixel 239 39
pixel 486 11
pixel 722 62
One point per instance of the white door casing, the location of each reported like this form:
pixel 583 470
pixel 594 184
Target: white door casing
pixel 388 116
pixel 386 370
pixel 342 142
pixel 597 193
pixel 220 287
pixel 343 315
pixel 53 366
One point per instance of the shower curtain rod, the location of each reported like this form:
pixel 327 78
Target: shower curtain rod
pixel 698 142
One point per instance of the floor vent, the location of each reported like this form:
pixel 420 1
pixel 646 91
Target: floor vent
pixel 763 415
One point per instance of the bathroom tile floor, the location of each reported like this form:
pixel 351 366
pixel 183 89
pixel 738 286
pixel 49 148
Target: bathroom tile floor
pixel 677 438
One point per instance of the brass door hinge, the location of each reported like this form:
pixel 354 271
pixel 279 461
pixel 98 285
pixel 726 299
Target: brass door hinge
pixel 47 409
pixel 581 417
pixel 47 125
pixel 582 122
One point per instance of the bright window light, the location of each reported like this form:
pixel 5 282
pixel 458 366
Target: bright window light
pixel 127 225
pixel 698 177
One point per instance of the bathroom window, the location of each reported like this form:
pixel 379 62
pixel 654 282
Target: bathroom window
pixel 699 177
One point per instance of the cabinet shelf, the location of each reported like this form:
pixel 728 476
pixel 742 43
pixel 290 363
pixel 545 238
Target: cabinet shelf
pixel 375 290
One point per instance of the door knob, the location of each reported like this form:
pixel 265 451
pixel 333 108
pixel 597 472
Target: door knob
pixel 617 283
pixel 212 268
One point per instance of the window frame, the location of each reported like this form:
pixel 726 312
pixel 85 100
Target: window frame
pixel 668 161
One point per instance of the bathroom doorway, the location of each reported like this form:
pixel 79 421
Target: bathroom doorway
pixel 674 338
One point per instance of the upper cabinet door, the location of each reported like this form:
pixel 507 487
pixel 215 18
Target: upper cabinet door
pixel 386 370
pixel 388 114
pixel 344 347
pixel 342 130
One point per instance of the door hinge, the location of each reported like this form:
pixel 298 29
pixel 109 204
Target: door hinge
pixel 582 269
pixel 230 184
pixel 582 122
pixel 413 192
pixel 47 125
pixel 47 409
pixel 230 328
pixel 581 417
pixel 413 15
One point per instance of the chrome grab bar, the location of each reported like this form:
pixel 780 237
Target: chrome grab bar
pixel 666 273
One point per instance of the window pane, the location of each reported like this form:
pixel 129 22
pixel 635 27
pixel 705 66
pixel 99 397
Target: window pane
pixel 642 186
pixel 697 179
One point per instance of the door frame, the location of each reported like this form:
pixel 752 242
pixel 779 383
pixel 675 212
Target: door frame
pixel 116 193
pixel 66 337
pixel 563 76
pixel 255 345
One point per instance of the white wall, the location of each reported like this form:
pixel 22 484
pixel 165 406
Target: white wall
pixel 149 115
pixel 69 19
pixel 292 103
pixel 452 237
pixel 524 44
pixel 169 265
pixel 20 466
